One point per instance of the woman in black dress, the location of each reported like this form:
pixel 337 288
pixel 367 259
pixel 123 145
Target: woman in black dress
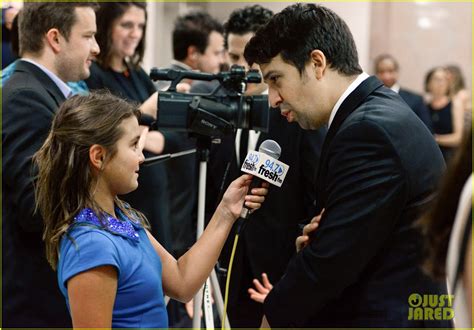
pixel 446 113
pixel 121 30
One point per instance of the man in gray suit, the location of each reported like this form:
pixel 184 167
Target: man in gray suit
pixel 57 45
pixel 379 167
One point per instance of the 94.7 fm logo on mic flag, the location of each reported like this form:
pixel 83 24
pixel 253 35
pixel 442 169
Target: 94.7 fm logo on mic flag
pixel 265 167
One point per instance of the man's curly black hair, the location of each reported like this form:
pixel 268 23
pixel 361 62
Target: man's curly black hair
pixel 298 30
pixel 245 20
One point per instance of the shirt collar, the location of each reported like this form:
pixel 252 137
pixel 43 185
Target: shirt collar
pixel 122 225
pixel 63 87
pixel 344 95
pixel 395 88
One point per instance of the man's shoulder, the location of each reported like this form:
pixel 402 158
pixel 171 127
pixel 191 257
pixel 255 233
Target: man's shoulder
pixel 27 76
pixel 22 92
pixel 408 94
pixel 29 83
pixel 21 83
pixel 20 80
pixel 386 112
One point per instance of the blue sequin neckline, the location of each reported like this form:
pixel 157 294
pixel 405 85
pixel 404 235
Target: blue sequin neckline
pixel 125 227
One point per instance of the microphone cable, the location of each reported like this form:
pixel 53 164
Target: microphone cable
pixel 240 227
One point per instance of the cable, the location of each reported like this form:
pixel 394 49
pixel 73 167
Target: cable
pixel 240 226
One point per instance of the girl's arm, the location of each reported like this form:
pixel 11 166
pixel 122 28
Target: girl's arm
pixel 183 278
pixel 92 297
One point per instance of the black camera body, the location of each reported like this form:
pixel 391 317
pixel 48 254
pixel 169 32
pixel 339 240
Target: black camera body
pixel 216 114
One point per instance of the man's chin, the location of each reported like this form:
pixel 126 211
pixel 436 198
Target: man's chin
pixel 86 74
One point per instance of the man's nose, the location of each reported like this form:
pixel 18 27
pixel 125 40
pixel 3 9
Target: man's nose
pixel 95 50
pixel 141 157
pixel 274 98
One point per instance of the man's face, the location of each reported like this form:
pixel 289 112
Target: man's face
pixel 300 98
pixel 387 72
pixel 76 54
pixel 213 57
pixel 236 45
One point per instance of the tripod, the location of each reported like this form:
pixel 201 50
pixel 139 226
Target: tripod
pixel 203 147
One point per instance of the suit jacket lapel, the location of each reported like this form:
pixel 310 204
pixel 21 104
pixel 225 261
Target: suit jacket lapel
pixel 348 106
pixel 46 82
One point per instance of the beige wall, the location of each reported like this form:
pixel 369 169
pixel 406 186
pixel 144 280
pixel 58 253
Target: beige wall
pixel 423 35
pixel 420 34
pixel 357 18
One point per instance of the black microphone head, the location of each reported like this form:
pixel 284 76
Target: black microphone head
pixel 270 148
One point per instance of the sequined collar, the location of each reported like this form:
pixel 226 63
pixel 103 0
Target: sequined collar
pixel 124 227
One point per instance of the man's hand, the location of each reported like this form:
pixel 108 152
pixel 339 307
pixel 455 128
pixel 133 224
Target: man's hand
pixel 262 291
pixel 304 239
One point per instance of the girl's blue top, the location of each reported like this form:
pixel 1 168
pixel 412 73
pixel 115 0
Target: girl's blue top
pixel 123 244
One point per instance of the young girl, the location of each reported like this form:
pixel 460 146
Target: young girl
pixel 112 272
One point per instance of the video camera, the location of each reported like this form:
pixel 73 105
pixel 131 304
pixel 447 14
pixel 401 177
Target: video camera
pixel 215 114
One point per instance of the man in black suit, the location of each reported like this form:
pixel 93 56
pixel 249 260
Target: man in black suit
pixel 386 68
pixel 57 43
pixel 266 242
pixel 378 169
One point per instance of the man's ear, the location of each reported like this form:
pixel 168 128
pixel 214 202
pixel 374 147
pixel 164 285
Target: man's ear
pixel 193 53
pixel 54 39
pixel 97 155
pixel 318 62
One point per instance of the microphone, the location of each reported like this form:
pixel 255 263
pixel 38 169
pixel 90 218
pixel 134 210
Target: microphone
pixel 264 165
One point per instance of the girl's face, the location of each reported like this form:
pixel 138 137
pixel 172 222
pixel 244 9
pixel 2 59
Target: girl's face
pixel 127 32
pixel 120 173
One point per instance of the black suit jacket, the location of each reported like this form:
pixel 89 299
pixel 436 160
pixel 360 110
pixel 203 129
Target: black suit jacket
pixel 416 103
pixel 31 297
pixel 379 167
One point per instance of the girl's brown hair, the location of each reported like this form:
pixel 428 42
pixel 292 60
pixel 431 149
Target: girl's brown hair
pixel 65 180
